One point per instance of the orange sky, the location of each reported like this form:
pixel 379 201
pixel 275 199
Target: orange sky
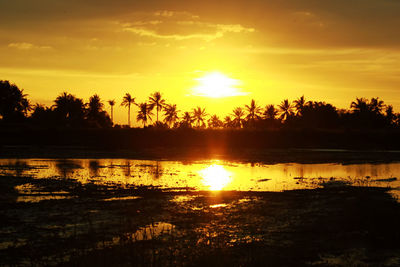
pixel 327 50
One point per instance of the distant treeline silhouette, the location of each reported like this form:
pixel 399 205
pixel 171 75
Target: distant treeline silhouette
pixel 72 112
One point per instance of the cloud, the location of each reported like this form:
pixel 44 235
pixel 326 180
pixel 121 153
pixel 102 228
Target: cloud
pixel 27 46
pixel 177 26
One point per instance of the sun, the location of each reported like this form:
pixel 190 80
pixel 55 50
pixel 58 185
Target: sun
pixel 217 85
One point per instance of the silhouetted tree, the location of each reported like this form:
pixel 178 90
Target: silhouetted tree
pixel 228 122
pixel 96 116
pixel 253 111
pixel 270 112
pixel 360 105
pixel 70 110
pixel 199 115
pixel 112 103
pixel 145 113
pixel 238 117
pixel 215 122
pixel 390 116
pixel 127 100
pixel 187 120
pixel 170 114
pixel 286 109
pixel 376 105
pixel 14 105
pixel 157 101
pixel 299 104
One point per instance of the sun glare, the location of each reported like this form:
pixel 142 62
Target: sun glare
pixel 217 85
pixel 215 177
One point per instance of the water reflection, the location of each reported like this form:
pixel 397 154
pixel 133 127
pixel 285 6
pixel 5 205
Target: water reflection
pixel 215 177
pixel 205 175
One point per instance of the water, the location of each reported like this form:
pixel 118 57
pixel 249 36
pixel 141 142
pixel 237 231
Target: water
pixel 205 175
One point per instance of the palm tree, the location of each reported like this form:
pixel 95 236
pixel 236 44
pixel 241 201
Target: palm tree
pixel 112 103
pixel 286 109
pixel 238 115
pixel 390 116
pixel 95 105
pixel 187 120
pixel 70 108
pixel 171 114
pixel 253 111
pixel 199 115
pixel 360 105
pixel 376 105
pixel 145 113
pixel 299 105
pixel 157 101
pixel 228 122
pixel 215 122
pixel 270 112
pixel 127 100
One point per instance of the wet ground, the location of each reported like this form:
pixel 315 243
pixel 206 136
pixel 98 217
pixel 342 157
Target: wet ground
pixel 62 221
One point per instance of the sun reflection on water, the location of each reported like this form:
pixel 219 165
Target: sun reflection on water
pixel 215 177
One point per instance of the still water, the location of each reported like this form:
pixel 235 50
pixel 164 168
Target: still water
pixel 205 175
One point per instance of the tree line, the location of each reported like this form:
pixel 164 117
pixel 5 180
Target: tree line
pixel 71 111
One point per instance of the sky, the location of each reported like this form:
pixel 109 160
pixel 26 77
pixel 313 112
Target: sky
pixel 326 50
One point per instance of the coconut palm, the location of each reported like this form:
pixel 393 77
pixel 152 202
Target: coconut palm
pixel 299 105
pixel 145 113
pixel 286 109
pixel 390 116
pixel 170 114
pixel 157 101
pixel 112 103
pixel 238 115
pixel 69 108
pixel 228 122
pixel 187 120
pixel 199 115
pixel 253 111
pixel 95 105
pixel 127 100
pixel 215 122
pixel 376 105
pixel 360 105
pixel 270 112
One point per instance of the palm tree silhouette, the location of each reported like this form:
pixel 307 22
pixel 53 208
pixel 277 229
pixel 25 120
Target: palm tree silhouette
pixel 360 105
pixel 228 122
pixel 238 115
pixel 286 109
pixel 199 115
pixel 376 105
pixel 95 105
pixel 270 112
pixel 299 105
pixel 157 101
pixel 215 122
pixel 187 120
pixel 112 103
pixel 127 100
pixel 171 114
pixel 253 111
pixel 145 113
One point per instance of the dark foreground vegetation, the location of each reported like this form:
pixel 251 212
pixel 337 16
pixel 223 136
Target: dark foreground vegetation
pixel 96 225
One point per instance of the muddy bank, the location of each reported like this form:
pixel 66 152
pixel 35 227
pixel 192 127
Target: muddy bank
pixel 114 225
